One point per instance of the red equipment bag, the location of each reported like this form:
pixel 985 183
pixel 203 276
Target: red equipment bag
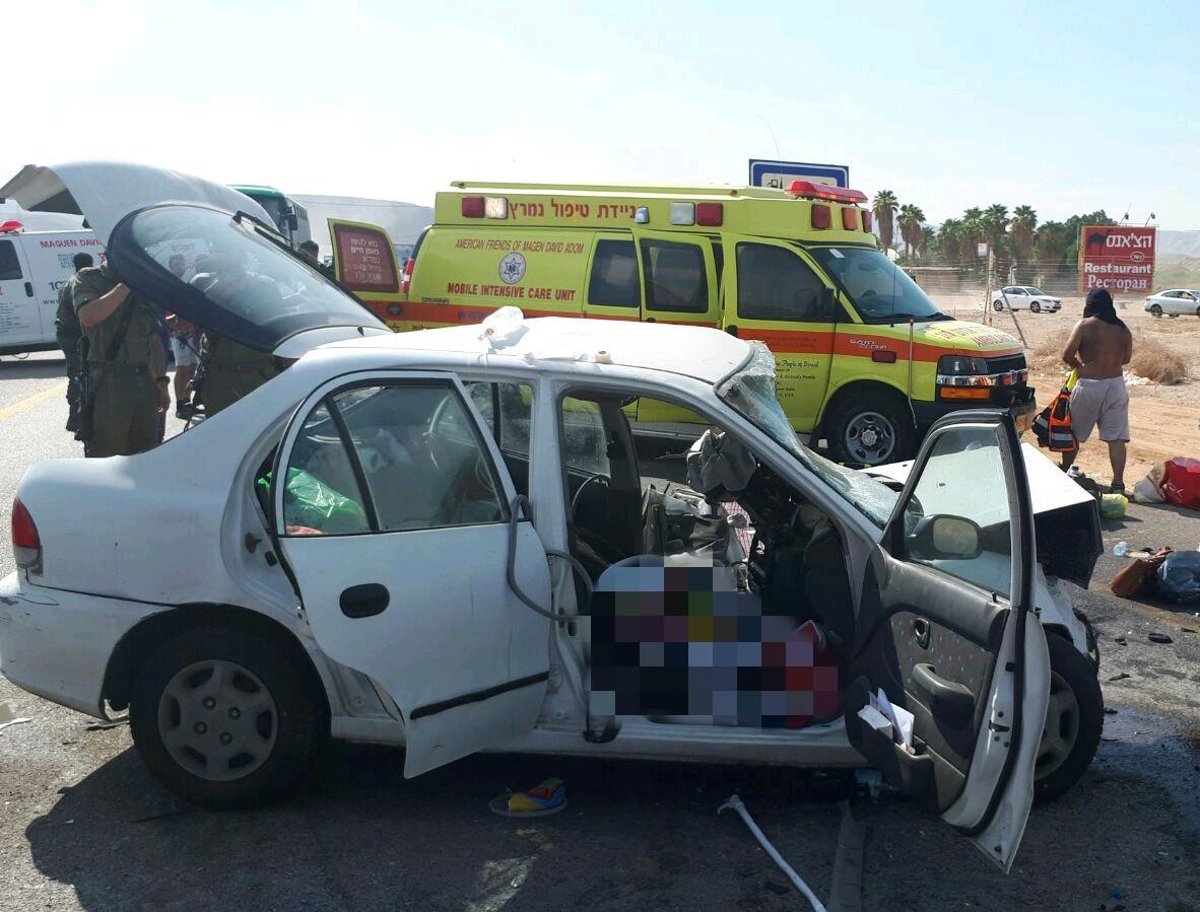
pixel 1181 483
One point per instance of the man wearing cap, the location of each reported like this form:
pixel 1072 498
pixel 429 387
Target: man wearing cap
pixel 1098 350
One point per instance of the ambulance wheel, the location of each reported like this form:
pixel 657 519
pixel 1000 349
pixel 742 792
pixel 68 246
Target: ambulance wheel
pixel 1074 720
pixel 871 428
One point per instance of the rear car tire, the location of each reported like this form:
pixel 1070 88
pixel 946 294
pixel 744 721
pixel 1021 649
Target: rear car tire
pixel 871 428
pixel 225 718
pixel 1074 720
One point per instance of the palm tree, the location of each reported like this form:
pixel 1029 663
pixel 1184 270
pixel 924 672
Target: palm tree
pixel 1024 224
pixel 910 228
pixel 884 206
pixel 951 235
pixel 995 223
pixel 973 230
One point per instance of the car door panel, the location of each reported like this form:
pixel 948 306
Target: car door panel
pixel 952 651
pixel 420 602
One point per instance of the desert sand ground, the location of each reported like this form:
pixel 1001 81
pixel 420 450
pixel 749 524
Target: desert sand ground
pixel 1164 419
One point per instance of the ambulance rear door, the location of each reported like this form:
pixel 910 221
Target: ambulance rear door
pixel 364 262
pixel 679 278
pixel 775 294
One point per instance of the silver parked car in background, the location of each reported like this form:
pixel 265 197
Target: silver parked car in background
pixel 1174 301
pixel 1025 297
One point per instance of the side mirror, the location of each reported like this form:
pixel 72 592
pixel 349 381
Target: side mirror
pixel 945 537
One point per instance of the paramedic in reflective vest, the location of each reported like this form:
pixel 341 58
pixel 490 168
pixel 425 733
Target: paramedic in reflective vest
pixel 68 333
pixel 126 365
pixel 1099 348
pixel 229 369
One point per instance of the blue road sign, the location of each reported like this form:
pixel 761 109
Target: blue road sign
pixel 778 174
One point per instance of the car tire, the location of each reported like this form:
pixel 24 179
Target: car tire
pixel 871 428
pixel 1074 720
pixel 1035 307
pixel 210 691
pixel 1155 310
pixel 997 305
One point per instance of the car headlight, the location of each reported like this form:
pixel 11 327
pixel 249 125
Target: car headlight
pixel 961 365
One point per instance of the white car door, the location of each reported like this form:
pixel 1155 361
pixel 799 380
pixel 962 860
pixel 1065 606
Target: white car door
pixel 1187 303
pixel 946 629
pixel 1018 298
pixel 394 522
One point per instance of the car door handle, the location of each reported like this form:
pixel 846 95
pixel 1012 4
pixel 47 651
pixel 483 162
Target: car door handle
pixel 29 289
pixel 921 629
pixel 365 600
pixel 948 699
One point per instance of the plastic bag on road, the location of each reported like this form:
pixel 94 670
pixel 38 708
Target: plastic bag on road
pixel 1179 577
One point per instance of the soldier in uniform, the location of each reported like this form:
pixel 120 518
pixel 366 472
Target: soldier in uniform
pixel 68 333
pixel 126 365
pixel 229 369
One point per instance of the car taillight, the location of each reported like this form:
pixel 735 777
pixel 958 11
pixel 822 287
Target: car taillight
pixel 406 276
pixel 821 216
pixel 27 545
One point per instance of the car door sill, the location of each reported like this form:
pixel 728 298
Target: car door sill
pixel 478 696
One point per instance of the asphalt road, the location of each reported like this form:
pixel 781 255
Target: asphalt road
pixel 85 827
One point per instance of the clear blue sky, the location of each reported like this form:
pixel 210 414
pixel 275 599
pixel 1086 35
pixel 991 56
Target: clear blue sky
pixel 1064 106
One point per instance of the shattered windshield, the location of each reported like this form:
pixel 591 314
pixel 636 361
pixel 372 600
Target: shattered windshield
pixel 751 392
pixel 880 291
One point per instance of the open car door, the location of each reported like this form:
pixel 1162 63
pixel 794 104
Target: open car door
pixel 946 630
pixel 364 262
pixel 393 518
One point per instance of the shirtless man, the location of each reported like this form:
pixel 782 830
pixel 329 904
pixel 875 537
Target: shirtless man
pixel 1099 348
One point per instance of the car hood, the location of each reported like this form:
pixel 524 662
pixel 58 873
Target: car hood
pixel 1066 518
pixel 959 335
pixel 281 305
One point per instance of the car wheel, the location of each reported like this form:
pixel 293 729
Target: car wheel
pixel 1035 307
pixel 1074 720
pixel 997 305
pixel 1156 310
pixel 871 429
pixel 224 718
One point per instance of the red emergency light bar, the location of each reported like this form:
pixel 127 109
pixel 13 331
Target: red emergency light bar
pixel 11 227
pixel 809 190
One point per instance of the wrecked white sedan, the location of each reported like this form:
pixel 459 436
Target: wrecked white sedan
pixel 477 538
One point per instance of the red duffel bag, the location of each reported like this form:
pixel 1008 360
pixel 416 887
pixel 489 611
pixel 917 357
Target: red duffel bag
pixel 1181 482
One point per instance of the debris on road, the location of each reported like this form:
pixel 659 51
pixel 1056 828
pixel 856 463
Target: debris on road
pixel 735 803
pixel 547 797
pixel 1159 638
pixel 1179 577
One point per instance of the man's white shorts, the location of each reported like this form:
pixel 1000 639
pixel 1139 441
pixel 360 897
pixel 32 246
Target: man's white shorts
pixel 1102 403
pixel 184 356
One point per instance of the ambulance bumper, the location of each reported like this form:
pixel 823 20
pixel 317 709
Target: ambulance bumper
pixel 1020 402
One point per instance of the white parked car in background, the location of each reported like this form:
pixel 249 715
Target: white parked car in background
pixel 439 539
pixel 1025 297
pixel 1174 301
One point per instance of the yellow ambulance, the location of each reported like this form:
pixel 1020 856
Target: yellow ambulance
pixel 865 359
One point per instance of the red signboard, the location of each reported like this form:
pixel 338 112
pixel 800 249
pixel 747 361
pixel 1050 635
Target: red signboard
pixel 366 261
pixel 1117 257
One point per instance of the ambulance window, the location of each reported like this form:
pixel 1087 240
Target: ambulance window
pixel 675 277
pixel 775 284
pixel 10 266
pixel 614 281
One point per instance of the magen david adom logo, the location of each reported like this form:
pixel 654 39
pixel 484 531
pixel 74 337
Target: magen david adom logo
pixel 512 269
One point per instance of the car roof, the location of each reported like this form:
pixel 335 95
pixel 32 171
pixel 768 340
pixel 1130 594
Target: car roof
pixel 570 344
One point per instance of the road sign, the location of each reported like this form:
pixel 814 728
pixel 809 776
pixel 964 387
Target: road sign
pixel 778 174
